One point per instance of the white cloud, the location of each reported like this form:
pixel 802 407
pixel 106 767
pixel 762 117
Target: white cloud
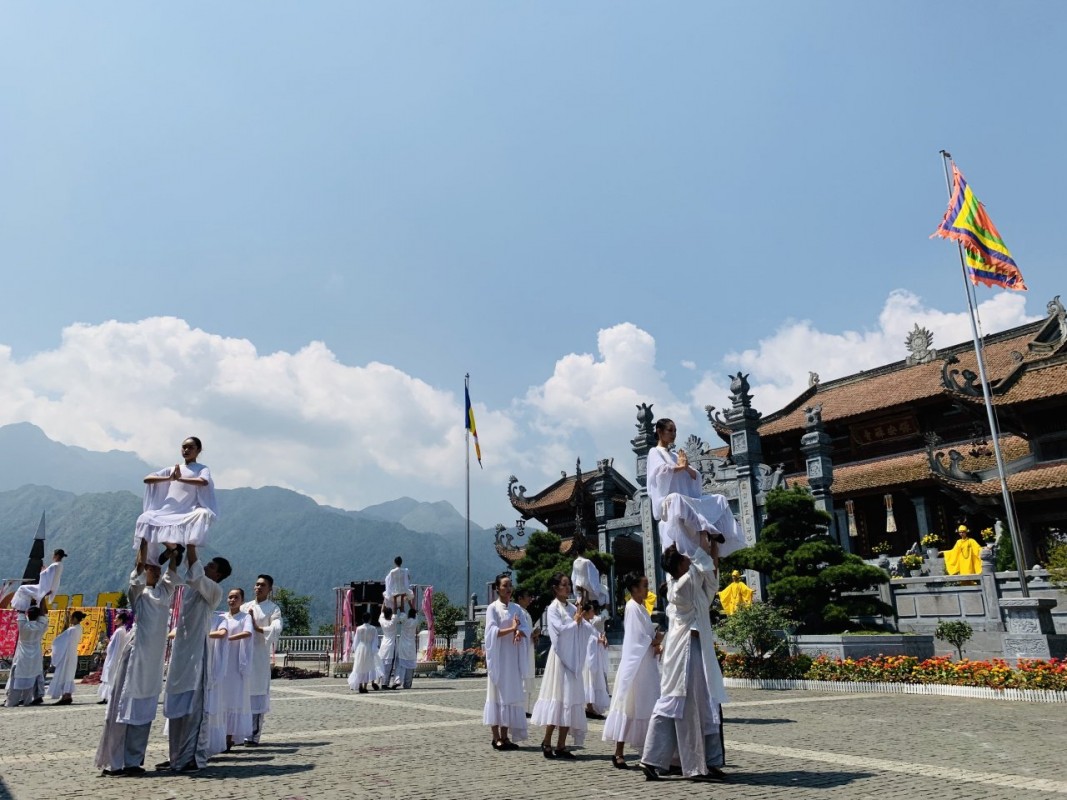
pixel 690 365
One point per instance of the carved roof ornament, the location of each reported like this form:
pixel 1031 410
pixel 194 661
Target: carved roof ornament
pixel 813 379
pixel 516 492
pixel 1055 308
pixel 919 343
pixel 813 417
pixel 969 386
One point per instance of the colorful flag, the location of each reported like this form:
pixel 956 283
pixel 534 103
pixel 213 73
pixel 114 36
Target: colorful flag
pixel 471 426
pixel 987 257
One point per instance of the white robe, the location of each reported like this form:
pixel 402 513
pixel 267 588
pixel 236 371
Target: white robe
pixel 177 512
pixel 561 701
pixel 268 616
pixel 636 686
pixel 585 575
pixel 234 697
pixel 595 671
pixel 387 650
pixel 114 647
pixel 506 662
pixel 529 678
pixel 366 666
pixel 397 581
pixel 143 679
pixel 406 646
pixel 187 653
pixel 28 663
pixel 65 661
pixel 30 594
pixel 684 511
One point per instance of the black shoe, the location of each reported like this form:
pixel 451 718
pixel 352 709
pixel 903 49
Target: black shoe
pixel 619 762
pixel 192 766
pixel 650 772
pixel 562 752
pixel 362 689
pixel 507 744
pixel 37 701
pixel 133 772
pixel 164 557
pixel 112 773
pixel 163 765
pixel 547 751
pixel 250 743
pixel 716 774
pixel 374 685
pixel 528 715
pixel 101 702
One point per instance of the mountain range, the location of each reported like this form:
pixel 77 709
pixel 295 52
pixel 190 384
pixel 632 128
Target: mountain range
pixel 90 505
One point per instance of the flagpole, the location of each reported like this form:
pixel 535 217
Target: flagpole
pixel 467 596
pixel 994 428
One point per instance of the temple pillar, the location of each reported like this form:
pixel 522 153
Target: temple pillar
pixel 817 447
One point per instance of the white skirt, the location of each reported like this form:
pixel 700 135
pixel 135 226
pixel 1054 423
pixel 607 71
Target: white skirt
pixel 562 699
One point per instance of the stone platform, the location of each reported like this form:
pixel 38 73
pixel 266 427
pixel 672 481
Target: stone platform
pixel 323 741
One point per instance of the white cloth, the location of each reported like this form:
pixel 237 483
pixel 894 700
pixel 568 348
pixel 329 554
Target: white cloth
pixel 636 686
pixel 406 647
pixel 65 661
pixel 529 678
pixel 28 664
pixel 177 512
pixel 234 697
pixel 595 671
pixel 561 701
pixel 186 672
pixel 506 663
pixel 114 647
pixel 30 594
pixel 684 511
pixel 397 582
pixel 387 649
pixel 585 575
pixel 143 679
pixel 366 666
pixel 268 616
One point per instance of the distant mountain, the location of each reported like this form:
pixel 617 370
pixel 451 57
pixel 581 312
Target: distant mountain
pixel 306 547
pixel 31 457
pixel 440 517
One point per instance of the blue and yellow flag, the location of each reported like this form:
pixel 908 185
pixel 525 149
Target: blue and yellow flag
pixel 987 257
pixel 471 426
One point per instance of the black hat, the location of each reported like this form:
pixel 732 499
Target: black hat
pixel 60 552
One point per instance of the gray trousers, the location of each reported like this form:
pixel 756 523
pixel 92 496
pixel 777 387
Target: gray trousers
pixel 136 744
pixel 686 739
pixel 257 728
pixel 409 675
pixel 187 741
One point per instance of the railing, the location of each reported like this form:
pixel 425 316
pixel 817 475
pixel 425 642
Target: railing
pixel 304 644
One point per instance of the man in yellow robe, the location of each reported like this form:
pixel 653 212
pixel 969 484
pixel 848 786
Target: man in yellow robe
pixel 965 557
pixel 735 595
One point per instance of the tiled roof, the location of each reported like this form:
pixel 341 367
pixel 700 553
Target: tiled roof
pixel 1041 478
pixel 912 468
pixel 1036 383
pixel 899 385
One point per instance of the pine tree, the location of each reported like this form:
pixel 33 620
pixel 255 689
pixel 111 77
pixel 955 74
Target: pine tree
pixel 809 574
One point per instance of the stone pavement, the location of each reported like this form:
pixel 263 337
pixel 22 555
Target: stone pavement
pixel 324 741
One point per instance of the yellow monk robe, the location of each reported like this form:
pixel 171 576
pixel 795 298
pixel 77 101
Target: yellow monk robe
pixel 735 595
pixel 964 559
pixel 650 601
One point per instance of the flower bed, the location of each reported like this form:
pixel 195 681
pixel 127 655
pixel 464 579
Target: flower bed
pixel 1034 674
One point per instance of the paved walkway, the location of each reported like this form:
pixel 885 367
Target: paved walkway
pixel 323 741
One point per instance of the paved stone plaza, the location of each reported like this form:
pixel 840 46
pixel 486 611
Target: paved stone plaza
pixel 324 741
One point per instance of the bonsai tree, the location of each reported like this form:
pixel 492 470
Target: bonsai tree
pixel 809 574
pixel 955 632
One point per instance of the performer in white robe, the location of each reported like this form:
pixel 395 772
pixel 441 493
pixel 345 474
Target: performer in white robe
pixel 179 503
pixel 636 688
pixel 507 639
pixel 366 666
pixel 398 591
pixel 687 719
pixel 407 648
pixel 683 511
pixel 65 661
pixel 37 594
pixel 183 699
pixel 235 697
pixel 585 578
pixel 595 669
pixel 387 651
pixel 561 702
pixel 267 624
pixel 212 739
pixel 25 682
pixel 523 598
pixel 114 647
pixel 138 672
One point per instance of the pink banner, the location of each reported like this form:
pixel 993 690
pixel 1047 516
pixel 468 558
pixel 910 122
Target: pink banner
pixel 427 611
pixel 9 632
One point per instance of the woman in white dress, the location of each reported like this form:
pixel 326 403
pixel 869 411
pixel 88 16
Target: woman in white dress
pixel 675 490
pixel 523 598
pixel 561 702
pixel 235 698
pixel 507 638
pixel 595 673
pixel 114 647
pixel 366 666
pixel 636 687
pixel 179 503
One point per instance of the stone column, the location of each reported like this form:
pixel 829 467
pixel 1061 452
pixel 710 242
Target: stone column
pixel 1030 631
pixel 644 441
pixel 817 447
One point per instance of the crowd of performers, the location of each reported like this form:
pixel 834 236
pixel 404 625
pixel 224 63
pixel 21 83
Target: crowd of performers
pixel 667 697
pixel 390 663
pixel 217 687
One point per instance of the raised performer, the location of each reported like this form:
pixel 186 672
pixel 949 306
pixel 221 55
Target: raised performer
pixel 33 594
pixel 179 503
pixel 398 591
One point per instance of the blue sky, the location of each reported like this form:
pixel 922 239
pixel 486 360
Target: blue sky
pixel 308 222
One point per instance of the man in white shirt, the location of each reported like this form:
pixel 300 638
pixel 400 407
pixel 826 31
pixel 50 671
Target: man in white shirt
pixel 25 683
pixel 65 661
pixel 267 624
pixel 183 701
